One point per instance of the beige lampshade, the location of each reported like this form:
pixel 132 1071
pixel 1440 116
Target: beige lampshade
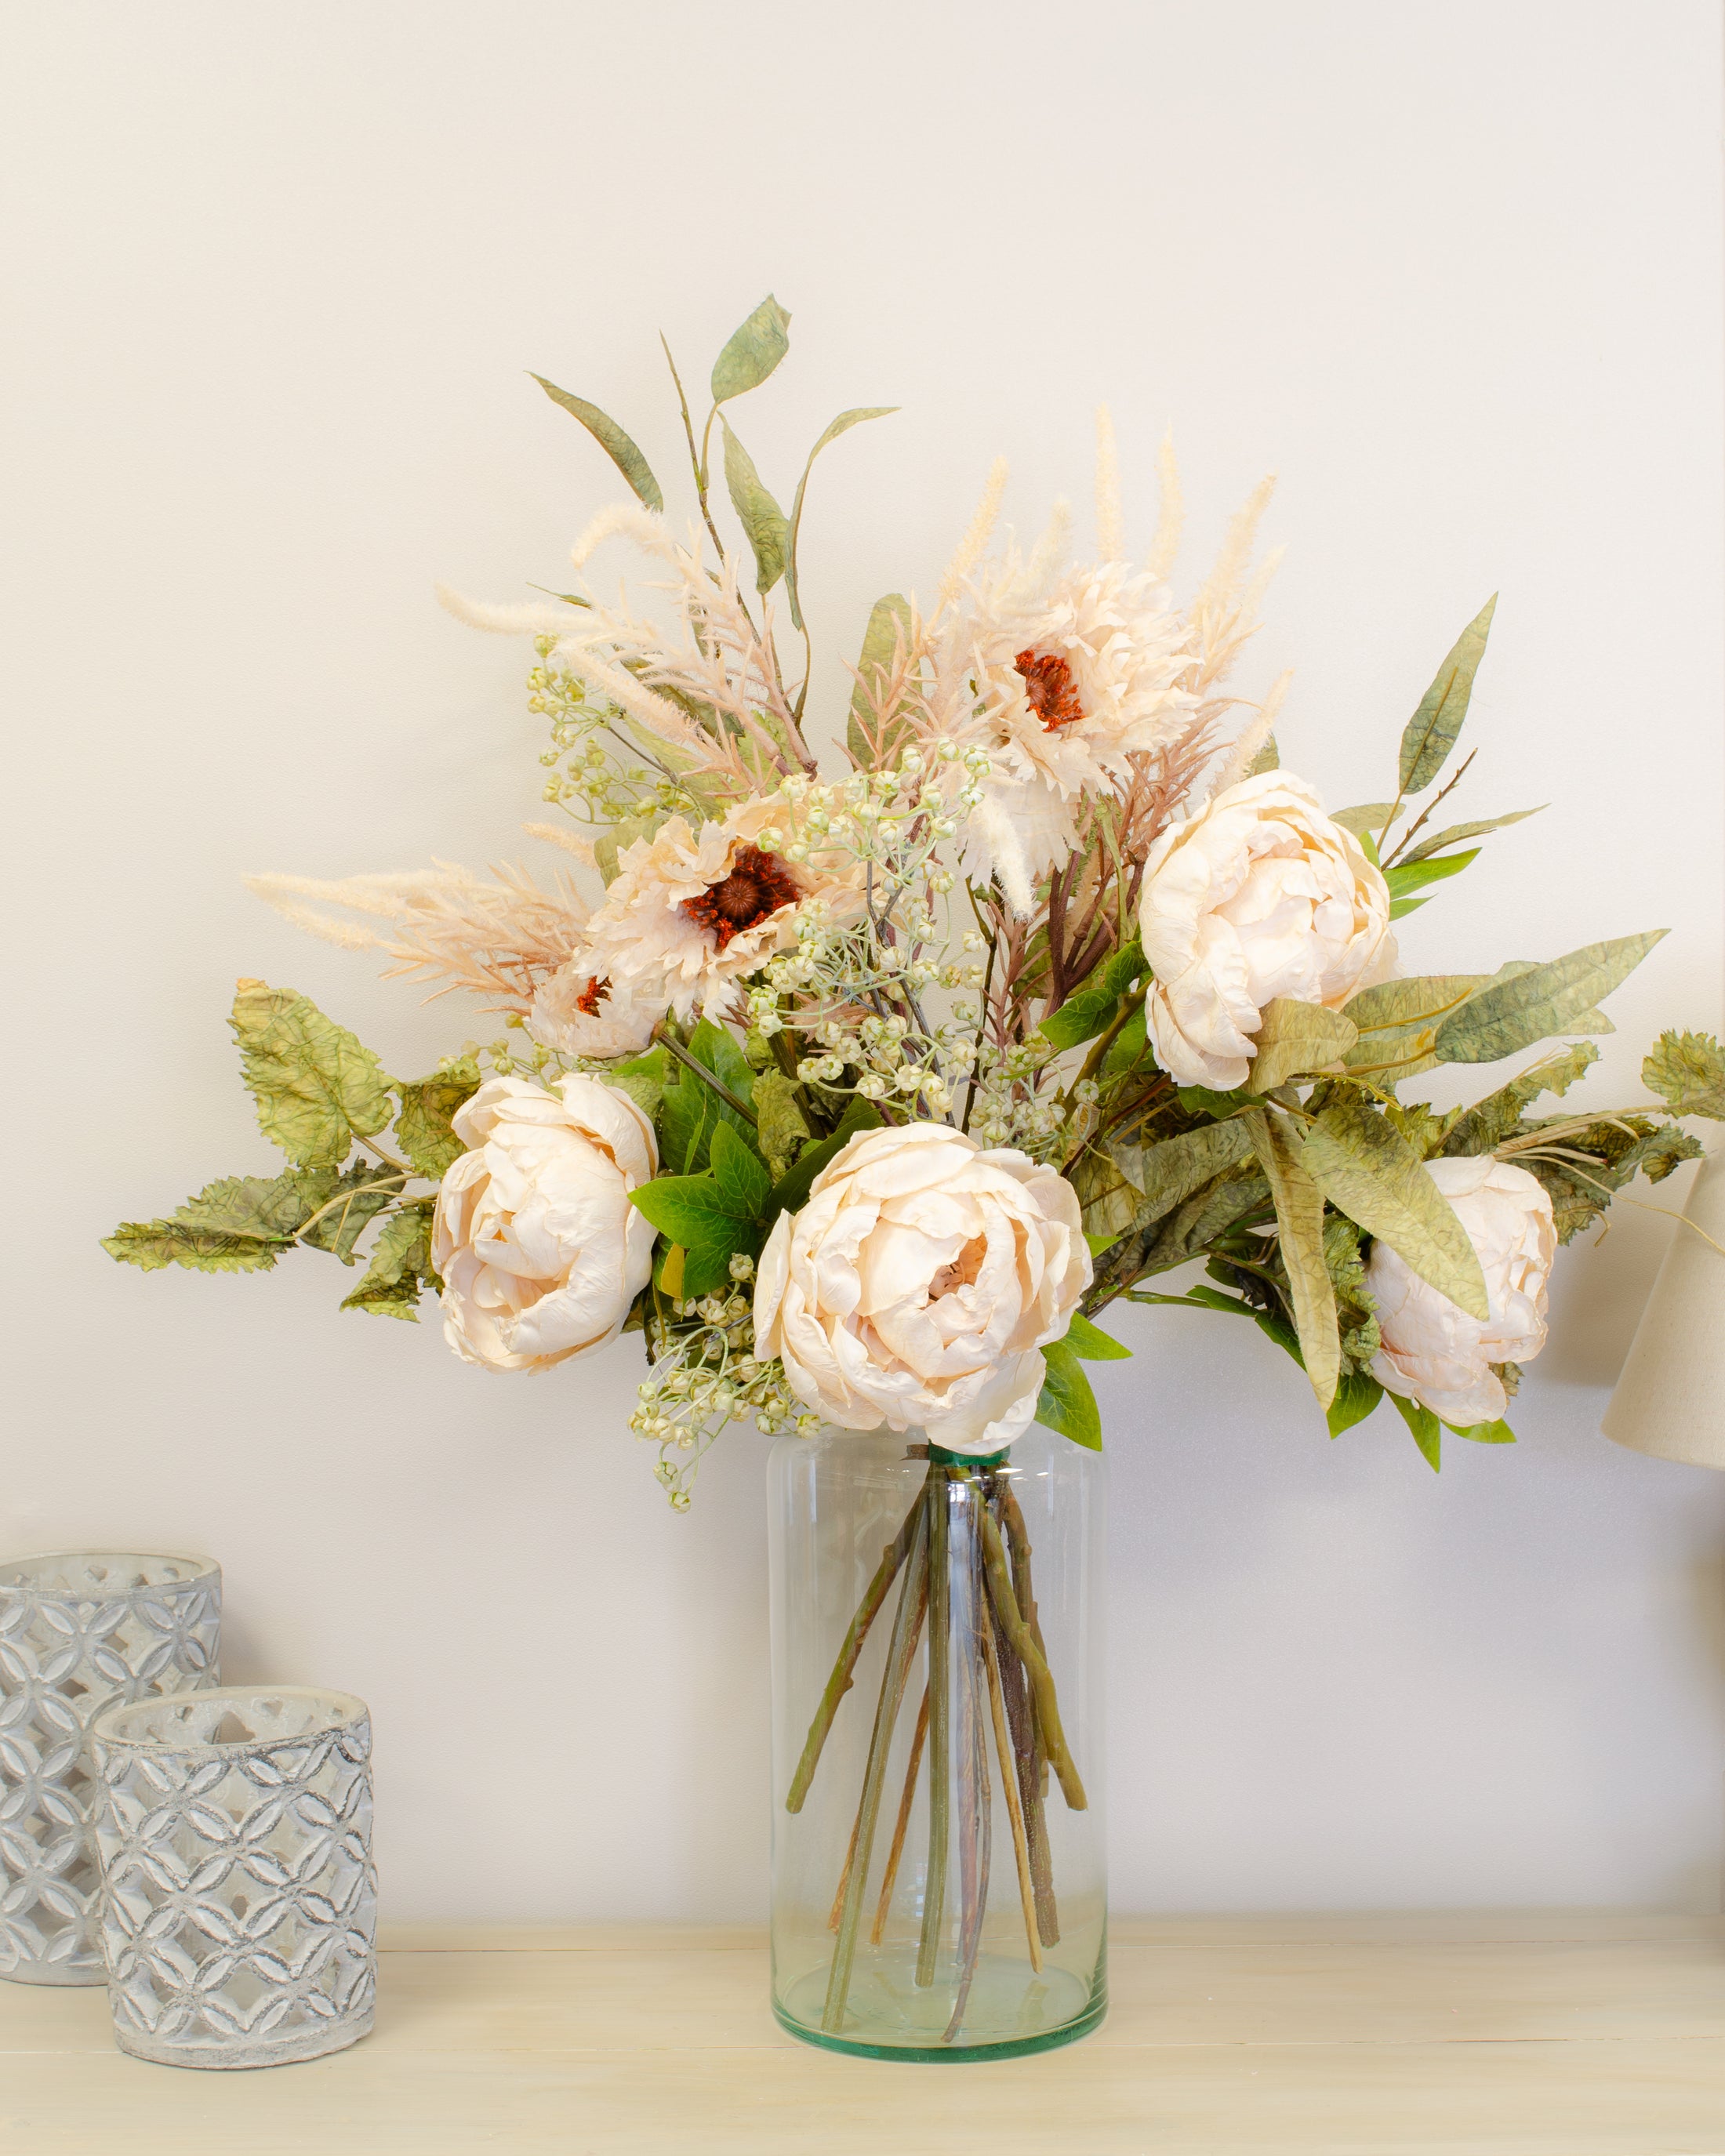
pixel 1670 1398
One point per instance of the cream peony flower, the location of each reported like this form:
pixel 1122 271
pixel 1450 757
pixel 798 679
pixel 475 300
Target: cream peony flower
pixel 689 913
pixel 1258 895
pixel 917 1283
pixel 1435 1353
pixel 581 1012
pixel 540 1251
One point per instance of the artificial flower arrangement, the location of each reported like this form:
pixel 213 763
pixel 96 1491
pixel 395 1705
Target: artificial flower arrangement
pixel 861 1094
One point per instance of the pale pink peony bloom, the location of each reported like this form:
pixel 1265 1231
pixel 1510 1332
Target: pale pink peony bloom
pixel 539 1249
pixel 1434 1352
pixel 918 1284
pixel 1257 896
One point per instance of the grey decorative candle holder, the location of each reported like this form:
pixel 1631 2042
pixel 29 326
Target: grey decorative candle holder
pixel 81 1631
pixel 239 1909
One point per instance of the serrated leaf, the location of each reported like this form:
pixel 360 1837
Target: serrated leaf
pixel 1091 1344
pixel 149 1244
pixel 1688 1071
pixel 1296 1038
pixel 1456 833
pixel 743 1182
pixel 1364 818
pixel 339 1207
pixel 767 527
pixel 423 1129
pixel 1300 1227
pixel 1513 1014
pixel 1066 1402
pixel 1488 1122
pixel 1371 1173
pixel 693 1210
pixel 272 1209
pixel 1431 734
pixel 791 1192
pixel 612 439
pixel 1428 1432
pixel 315 1085
pixel 1407 876
pixel 841 425
pixel 723 1054
pixel 643 1078
pixel 889 626
pixel 1090 1010
pixel 688 1114
pixel 784 1128
pixel 1357 1396
pixel 752 352
pixel 400 1269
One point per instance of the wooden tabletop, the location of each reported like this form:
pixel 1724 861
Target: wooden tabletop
pixel 1568 2035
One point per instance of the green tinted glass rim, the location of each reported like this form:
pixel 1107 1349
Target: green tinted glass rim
pixel 936 2055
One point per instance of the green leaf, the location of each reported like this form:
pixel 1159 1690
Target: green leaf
pixel 1066 1402
pixel 643 1078
pixel 783 1129
pixel 709 1218
pixel 1357 1396
pixel 1204 1101
pixel 1488 1122
pixel 723 1054
pixel 1514 1013
pixel 1431 734
pixel 1374 1175
pixel 1199 1298
pixel 1456 833
pixel 1296 1038
pixel 272 1210
pixel 423 1129
pixel 1268 758
pixel 1486 1433
pixel 841 425
pixel 744 1184
pixel 1428 1432
pixel 1407 876
pixel 149 1244
pixel 1365 818
pixel 1688 1071
pixel 791 1192
pixel 689 1112
pixel 316 1086
pixel 752 352
pixel 1087 1012
pixel 1300 1225
pixel 400 1270
pixel 345 1205
pixel 612 439
pixel 888 628
pixel 1128 1045
pixel 769 533
pixel 1170 1173
pixel 1091 1344
pixel 1108 1204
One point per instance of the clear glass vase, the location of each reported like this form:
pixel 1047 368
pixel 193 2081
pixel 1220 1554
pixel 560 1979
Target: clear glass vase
pixel 938 1882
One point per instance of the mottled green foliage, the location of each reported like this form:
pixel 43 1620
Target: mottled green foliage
pixel 1485 1125
pixel 1453 834
pixel 752 352
pixel 1369 1171
pixel 315 1085
pixel 1514 1013
pixel 873 735
pixel 1431 734
pixel 423 1130
pixel 1294 1038
pixel 612 439
pixel 1299 1223
pixel 342 1205
pixel 400 1269
pixel 783 1129
pixel 1688 1071
pixel 766 524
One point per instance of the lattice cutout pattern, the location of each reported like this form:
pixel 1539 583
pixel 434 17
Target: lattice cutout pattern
pixel 240 1916
pixel 80 1633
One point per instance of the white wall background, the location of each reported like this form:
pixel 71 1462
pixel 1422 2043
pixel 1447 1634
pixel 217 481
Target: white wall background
pixel 273 275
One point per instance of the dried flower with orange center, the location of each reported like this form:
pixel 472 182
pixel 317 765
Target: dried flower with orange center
pixel 597 992
pixel 757 886
pixel 1048 687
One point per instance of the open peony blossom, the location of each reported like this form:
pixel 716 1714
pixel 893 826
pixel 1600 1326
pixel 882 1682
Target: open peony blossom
pixel 539 1250
pixel 1258 895
pixel 918 1284
pixel 580 1011
pixel 690 913
pixel 1435 1353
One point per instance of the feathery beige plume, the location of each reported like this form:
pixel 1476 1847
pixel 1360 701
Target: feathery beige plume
pixel 1223 581
pixel 1171 511
pixel 532 618
pixel 1110 522
pixel 559 834
pixel 1245 752
pixel 974 543
pixel 622 520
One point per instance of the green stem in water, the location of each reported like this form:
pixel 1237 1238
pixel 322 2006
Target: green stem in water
pixel 934 1887
pixel 1029 1652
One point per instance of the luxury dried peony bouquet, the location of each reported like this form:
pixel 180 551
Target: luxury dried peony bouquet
pixel 860 1093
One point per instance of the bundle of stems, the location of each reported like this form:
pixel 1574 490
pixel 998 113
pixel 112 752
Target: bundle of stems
pixel 962 1559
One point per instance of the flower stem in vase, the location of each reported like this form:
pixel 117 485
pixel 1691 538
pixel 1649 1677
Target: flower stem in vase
pixel 975 1796
pixel 1021 1718
pixel 1006 1751
pixel 934 1885
pixel 1042 1686
pixel 902 1825
pixel 906 1631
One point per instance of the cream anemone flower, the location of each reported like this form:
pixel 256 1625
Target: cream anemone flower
pixel 580 1011
pixel 691 913
pixel 1070 675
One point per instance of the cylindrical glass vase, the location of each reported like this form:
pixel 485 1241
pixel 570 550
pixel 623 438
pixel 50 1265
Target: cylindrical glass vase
pixel 239 1909
pixel 81 1631
pixel 938 1881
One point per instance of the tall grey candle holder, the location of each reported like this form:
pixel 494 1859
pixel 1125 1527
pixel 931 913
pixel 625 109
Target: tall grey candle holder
pixel 81 1631
pixel 239 1909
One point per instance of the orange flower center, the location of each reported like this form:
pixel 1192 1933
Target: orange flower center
pixel 1048 687
pixel 758 884
pixel 596 991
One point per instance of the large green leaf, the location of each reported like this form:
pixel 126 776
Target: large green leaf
pixel 721 1052
pixel 1431 734
pixel 1409 876
pixel 1357 1396
pixel 752 352
pixel 1364 818
pixel 1108 1204
pixel 1456 833
pixel 1089 1009
pixel 340 1206
pixel 790 1193
pixel 1372 1174
pixel 1296 1038
pixel 424 1129
pixel 1531 1006
pixel 272 1210
pixel 744 1184
pixel 400 1270
pixel 149 1244
pixel 889 626
pixel 1066 1402
pixel 843 424
pixel 1688 1071
pixel 612 439
pixel 1168 1175
pixel 1488 1122
pixel 1091 1344
pixel 1300 1226
pixel 784 1128
pixel 769 531
pixel 1428 1432
pixel 710 1221
pixel 315 1085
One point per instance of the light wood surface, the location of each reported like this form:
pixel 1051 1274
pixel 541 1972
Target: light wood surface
pixel 1564 2035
